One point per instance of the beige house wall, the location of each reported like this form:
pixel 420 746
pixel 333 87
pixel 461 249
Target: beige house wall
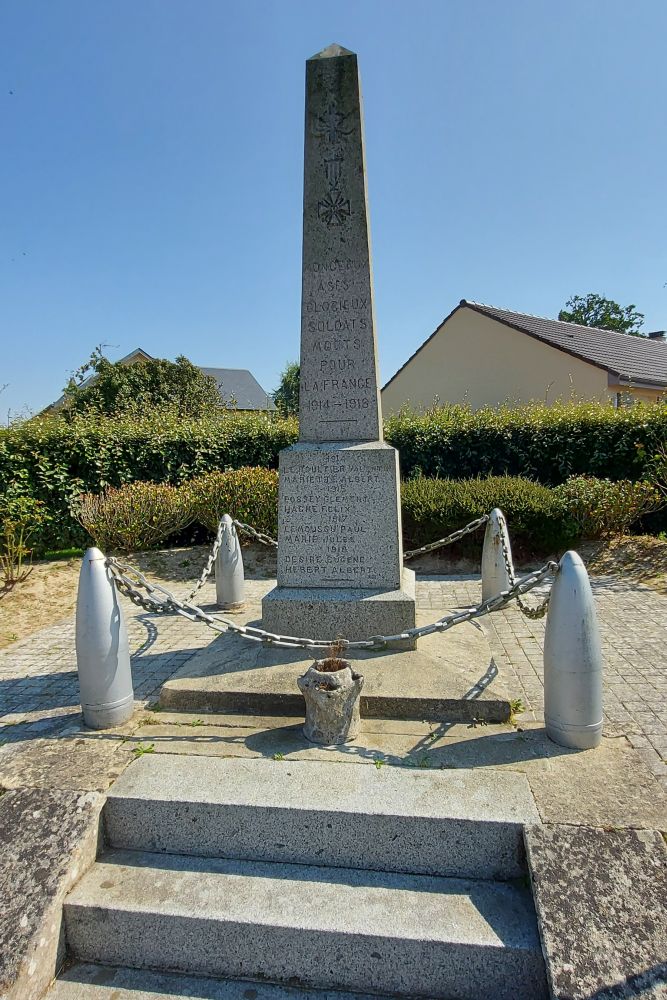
pixel 476 360
pixel 639 393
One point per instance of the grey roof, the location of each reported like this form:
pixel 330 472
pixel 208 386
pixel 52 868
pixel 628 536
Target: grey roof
pixel 241 386
pixel 633 359
pixel 638 360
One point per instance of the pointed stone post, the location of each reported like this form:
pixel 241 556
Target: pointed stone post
pixel 495 577
pixel 572 660
pixel 102 649
pixel 229 576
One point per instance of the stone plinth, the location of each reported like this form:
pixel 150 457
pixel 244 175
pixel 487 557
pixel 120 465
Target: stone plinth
pixel 352 613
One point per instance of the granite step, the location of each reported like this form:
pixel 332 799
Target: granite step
pixel 85 981
pixel 465 823
pixel 308 926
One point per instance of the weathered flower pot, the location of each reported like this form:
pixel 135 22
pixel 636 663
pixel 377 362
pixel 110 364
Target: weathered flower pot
pixel 332 695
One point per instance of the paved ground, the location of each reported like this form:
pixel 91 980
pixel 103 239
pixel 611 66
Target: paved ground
pixel 39 692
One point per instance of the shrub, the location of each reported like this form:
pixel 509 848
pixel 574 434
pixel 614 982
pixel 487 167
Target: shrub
pixel 601 508
pixel 134 517
pixel 115 388
pixel 537 520
pixel 247 494
pixel 546 443
pixel 21 519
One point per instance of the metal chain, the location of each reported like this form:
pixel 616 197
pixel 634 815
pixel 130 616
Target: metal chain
pixel 265 539
pixel 152 597
pixel 208 566
pixel 525 609
pixel 259 536
pixel 448 540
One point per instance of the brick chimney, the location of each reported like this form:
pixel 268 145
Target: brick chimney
pixel 658 335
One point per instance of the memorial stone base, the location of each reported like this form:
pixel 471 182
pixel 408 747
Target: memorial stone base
pixel 320 613
pixel 340 559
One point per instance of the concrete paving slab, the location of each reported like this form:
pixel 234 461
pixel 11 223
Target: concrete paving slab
pixel 76 762
pixel 601 898
pixel 100 982
pixel 48 838
pixel 448 677
pixel 459 823
pixel 403 933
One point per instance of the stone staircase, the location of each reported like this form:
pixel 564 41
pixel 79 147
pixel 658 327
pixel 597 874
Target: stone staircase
pixel 279 878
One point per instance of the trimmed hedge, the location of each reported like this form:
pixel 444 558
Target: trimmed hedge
pixel 56 460
pixel 542 519
pixel 546 443
pixel 249 495
pixel 539 522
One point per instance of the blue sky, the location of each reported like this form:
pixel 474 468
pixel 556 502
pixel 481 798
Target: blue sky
pixel 151 171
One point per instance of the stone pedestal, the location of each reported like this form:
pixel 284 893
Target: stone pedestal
pixel 345 612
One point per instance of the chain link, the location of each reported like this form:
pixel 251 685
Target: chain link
pixel 259 536
pixel 265 539
pixel 208 565
pixel 156 599
pixel 448 540
pixel 533 613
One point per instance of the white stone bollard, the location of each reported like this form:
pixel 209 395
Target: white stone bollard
pixel 102 649
pixel 229 577
pixel 495 577
pixel 572 660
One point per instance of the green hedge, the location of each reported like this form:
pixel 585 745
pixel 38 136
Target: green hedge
pixel 546 443
pixel 542 519
pixel 55 461
pixel 539 522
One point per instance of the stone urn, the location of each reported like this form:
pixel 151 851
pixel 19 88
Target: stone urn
pixel 332 691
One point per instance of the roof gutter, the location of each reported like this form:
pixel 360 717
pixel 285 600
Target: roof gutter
pixel 632 383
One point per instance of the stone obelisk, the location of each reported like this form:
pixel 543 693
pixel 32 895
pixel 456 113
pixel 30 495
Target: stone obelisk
pixel 340 558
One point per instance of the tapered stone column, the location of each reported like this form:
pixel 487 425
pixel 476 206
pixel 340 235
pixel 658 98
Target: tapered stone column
pixel 340 558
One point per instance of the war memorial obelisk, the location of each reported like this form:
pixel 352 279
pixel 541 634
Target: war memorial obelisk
pixel 340 556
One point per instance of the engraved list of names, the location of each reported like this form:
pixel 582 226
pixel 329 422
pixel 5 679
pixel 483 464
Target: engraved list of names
pixel 339 521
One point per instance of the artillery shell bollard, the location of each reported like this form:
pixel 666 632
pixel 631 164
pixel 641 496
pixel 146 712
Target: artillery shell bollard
pixel 572 660
pixel 102 649
pixel 495 575
pixel 229 577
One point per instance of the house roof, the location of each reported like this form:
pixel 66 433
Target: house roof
pixel 629 359
pixel 240 385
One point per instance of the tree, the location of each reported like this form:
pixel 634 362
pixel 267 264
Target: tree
pixel 596 310
pixel 101 386
pixel 286 396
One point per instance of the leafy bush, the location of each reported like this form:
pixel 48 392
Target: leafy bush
pixel 546 443
pixel 286 396
pixel 136 516
pixel 249 495
pixel 538 521
pixel 21 520
pixel 114 388
pixel 601 508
